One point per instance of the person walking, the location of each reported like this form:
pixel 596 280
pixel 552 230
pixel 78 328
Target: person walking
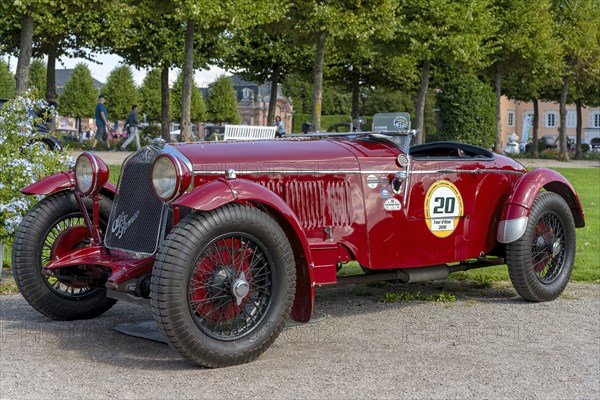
pixel 280 127
pixel 103 128
pixel 132 128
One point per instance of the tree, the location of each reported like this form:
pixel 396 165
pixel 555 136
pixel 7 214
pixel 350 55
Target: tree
pixel 578 35
pixel 198 108
pixel 149 95
pixel 586 93
pixel 524 46
pixel 25 49
pixel 265 54
pixel 154 38
pixel 7 81
pixel 221 105
pixel 37 75
pixel 120 91
pixel 79 95
pixel 211 19
pixel 61 28
pixel 467 109
pixel 446 33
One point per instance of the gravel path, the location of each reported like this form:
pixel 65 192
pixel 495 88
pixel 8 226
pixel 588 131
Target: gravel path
pixel 487 344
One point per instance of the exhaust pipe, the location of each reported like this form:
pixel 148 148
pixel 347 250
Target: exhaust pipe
pixel 406 275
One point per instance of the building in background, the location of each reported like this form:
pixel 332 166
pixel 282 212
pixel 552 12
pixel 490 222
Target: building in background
pixel 517 118
pixel 253 103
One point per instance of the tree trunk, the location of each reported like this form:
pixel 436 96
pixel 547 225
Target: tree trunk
pixel 164 105
pixel 188 76
pixel 51 74
pixel 498 88
pixel 22 73
pixel 355 94
pixel 562 131
pixel 51 95
pixel 273 99
pixel 318 81
pixel 536 124
pixel 579 131
pixel 420 108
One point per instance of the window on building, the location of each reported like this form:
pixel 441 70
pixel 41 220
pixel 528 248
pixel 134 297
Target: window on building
pixel 595 119
pixel 571 119
pixel 511 119
pixel 550 119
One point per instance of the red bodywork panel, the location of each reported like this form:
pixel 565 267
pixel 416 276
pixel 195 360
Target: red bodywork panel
pixel 521 199
pixel 62 181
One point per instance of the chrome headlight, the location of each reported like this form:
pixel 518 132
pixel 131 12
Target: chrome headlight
pixel 170 177
pixel 91 173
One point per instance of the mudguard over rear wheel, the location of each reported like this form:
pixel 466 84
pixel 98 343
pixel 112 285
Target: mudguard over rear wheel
pixel 55 225
pixel 541 261
pixel 223 285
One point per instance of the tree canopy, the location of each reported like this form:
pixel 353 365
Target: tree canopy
pixel 7 81
pixel 221 105
pixel 121 92
pixel 150 96
pixel 198 109
pixel 79 95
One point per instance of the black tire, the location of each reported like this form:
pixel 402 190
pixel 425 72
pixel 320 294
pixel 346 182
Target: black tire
pixel 541 261
pixel 32 249
pixel 192 295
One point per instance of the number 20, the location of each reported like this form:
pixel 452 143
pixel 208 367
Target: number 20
pixel 444 205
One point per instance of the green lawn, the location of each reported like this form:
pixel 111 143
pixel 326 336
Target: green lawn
pixel 115 170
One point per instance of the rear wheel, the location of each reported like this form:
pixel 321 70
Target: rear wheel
pixel 541 261
pixel 51 228
pixel 223 285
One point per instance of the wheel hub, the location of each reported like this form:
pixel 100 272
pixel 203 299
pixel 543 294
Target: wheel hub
pixel 240 288
pixel 556 248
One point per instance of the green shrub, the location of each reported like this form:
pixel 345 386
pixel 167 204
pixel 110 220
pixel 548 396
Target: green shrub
pixel 23 160
pixel 468 112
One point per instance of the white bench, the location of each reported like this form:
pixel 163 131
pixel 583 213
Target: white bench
pixel 247 132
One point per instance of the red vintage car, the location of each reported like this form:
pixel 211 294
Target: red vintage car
pixel 226 241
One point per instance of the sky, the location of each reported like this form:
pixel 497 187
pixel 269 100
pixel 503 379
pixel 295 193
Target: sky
pixel 107 62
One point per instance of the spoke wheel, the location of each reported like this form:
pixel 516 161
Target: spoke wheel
pixel 230 288
pixel 65 235
pixel 548 248
pixel 541 261
pixel 53 227
pixel 223 285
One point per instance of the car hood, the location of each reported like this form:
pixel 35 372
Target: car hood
pixel 270 156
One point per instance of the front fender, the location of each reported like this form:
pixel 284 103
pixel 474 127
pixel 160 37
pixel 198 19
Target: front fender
pixel 515 213
pixel 51 184
pixel 61 181
pixel 220 192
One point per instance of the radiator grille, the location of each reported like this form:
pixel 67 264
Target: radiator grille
pixel 138 217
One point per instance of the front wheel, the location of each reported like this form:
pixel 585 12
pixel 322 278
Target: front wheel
pixel 223 285
pixel 53 227
pixel 541 261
